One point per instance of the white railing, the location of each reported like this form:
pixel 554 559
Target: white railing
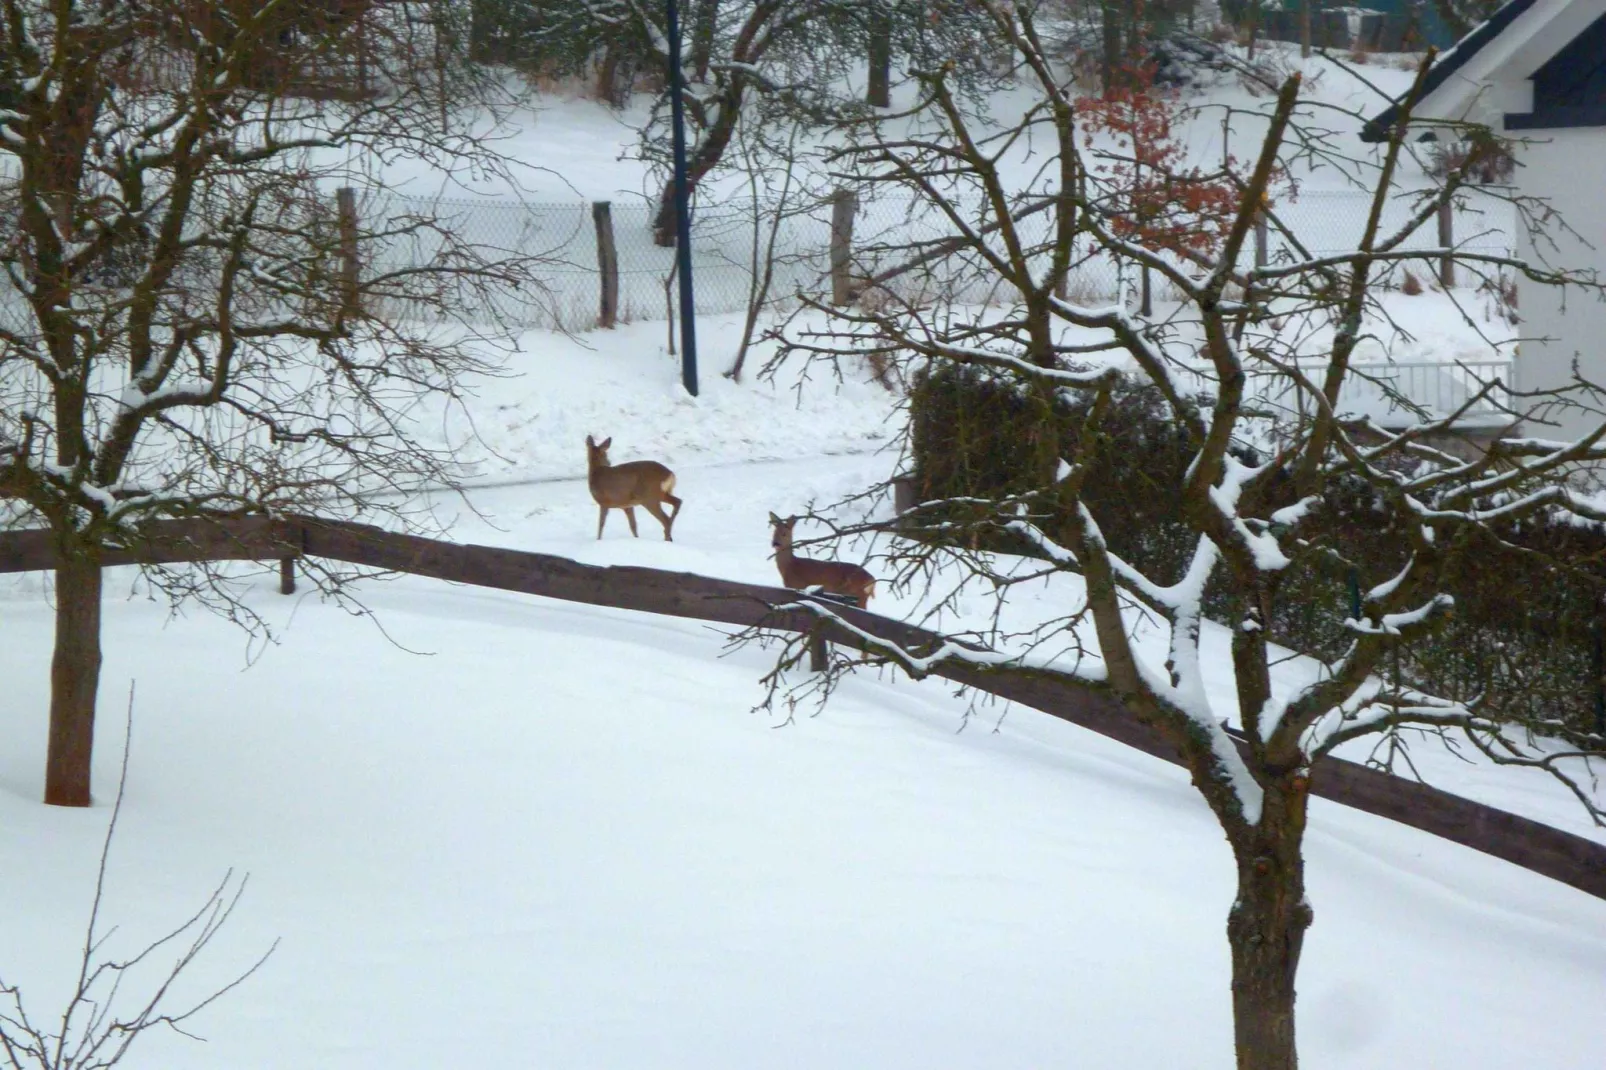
pixel 1393 393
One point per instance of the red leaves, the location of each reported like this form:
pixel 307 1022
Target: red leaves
pixel 1150 197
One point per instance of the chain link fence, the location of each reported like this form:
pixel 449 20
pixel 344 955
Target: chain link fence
pixel 731 243
pixel 736 242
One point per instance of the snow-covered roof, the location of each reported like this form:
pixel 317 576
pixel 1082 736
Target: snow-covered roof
pixel 1518 40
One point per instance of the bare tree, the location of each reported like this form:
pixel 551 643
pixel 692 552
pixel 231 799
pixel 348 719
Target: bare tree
pixel 104 1017
pixel 773 195
pixel 186 327
pixel 760 58
pixel 1270 450
pixel 1461 16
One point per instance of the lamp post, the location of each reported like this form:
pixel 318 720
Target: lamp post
pixel 688 313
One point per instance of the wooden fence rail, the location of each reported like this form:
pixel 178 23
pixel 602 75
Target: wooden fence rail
pixel 1535 846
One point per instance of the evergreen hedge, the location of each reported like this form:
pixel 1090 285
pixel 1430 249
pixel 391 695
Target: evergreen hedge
pixel 1526 631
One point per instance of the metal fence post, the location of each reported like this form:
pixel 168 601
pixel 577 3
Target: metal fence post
pixel 607 263
pixel 677 112
pixel 1446 239
pixel 844 205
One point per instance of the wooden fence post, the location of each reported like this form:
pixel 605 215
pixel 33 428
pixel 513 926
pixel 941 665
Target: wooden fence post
pixel 607 263
pixel 363 82
pixel 844 205
pixel 819 652
pixel 287 575
pixel 1262 240
pixel 1147 307
pixel 903 493
pixel 346 206
pixel 1446 239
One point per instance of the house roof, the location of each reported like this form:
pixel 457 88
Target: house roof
pixel 1470 45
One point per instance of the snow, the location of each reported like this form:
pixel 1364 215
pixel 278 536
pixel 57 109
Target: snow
pixel 625 384
pixel 535 832
pixel 529 832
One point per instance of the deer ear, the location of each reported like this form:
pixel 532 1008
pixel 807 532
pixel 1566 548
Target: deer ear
pixel 606 443
pixel 591 443
pixel 775 519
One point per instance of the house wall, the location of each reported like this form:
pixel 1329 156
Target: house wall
pixel 1567 168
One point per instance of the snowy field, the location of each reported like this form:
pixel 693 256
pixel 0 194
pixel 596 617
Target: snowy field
pixel 497 830
pixel 624 383
pixel 544 207
pixel 493 830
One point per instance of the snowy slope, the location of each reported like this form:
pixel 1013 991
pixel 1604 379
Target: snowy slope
pixel 493 830
pixel 599 157
pixel 532 423
pixel 506 831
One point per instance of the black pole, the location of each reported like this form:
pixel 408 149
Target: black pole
pixel 688 313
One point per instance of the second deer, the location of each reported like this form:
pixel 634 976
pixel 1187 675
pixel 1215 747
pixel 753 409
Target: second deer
pixel 801 573
pixel 625 486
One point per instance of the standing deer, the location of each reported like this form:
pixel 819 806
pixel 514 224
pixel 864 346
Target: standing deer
pixel 801 573
pixel 625 486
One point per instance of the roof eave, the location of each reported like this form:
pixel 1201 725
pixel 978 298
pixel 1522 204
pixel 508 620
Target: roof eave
pixel 1378 128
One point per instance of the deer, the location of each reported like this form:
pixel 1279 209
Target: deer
pixel 801 573
pixel 625 486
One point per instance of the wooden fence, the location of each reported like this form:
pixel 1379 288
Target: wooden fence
pixel 1560 855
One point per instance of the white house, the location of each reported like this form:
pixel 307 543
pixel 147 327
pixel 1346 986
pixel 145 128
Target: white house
pixel 1536 71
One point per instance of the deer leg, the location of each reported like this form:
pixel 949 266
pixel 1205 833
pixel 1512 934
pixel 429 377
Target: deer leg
pixel 672 500
pixel 658 511
pixel 630 515
pixel 602 518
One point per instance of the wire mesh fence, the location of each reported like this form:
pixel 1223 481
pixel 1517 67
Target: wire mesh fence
pixel 731 244
pixel 737 243
pixel 746 251
pixel 1332 222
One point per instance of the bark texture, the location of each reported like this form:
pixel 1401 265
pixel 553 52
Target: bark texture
pixel 1266 930
pixel 74 679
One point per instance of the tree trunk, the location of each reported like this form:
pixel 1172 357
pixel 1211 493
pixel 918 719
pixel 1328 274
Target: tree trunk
pixel 704 19
pixel 700 161
pixel 608 75
pixel 1110 59
pixel 74 677
pixel 879 92
pixel 1266 930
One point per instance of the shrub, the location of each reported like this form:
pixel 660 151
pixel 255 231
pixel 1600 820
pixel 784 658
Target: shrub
pixel 1492 162
pixel 1526 631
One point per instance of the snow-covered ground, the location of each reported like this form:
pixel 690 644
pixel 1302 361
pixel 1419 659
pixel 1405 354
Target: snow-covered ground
pixel 490 829
pixel 566 152
pixel 552 835
pixel 496 830
pixel 624 383
pixel 598 154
